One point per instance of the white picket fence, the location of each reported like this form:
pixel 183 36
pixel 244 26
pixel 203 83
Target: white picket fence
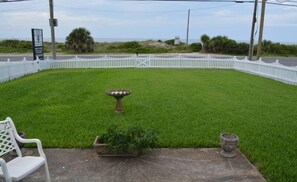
pixel 11 70
pixel 143 62
pixel 274 70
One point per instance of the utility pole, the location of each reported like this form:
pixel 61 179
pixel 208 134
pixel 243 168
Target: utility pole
pixel 188 26
pixel 261 29
pixel 52 23
pixel 251 47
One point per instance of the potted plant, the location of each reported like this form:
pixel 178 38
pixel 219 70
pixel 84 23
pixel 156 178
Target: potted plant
pixel 131 142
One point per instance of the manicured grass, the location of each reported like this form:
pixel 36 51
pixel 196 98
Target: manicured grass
pixel 189 107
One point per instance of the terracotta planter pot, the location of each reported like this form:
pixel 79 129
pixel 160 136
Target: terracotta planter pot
pixel 102 150
pixel 229 144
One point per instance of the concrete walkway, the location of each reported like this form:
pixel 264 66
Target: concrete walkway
pixel 168 165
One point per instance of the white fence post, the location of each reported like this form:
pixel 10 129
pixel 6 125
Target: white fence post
pixel 24 64
pixel 179 60
pixel 136 61
pixel 9 69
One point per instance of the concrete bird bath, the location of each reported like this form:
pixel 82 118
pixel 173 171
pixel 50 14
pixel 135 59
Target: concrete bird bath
pixel 118 94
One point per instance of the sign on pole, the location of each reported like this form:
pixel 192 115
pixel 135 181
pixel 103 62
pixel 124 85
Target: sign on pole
pixel 37 43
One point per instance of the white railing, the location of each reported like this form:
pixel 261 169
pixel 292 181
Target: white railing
pixel 11 70
pixel 144 62
pixel 189 62
pixel 101 62
pixel 274 70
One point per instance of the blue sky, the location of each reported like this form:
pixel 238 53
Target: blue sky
pixel 146 20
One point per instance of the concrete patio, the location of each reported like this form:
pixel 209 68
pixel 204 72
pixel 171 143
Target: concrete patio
pixel 160 165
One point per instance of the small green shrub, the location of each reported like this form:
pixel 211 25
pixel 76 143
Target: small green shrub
pixel 7 46
pixel 170 42
pixel 134 138
pixel 151 49
pixel 130 45
pixel 196 47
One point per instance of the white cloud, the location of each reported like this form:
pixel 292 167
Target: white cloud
pixel 285 19
pixel 223 12
pixel 121 19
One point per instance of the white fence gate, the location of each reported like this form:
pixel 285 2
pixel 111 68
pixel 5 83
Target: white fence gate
pixel 143 62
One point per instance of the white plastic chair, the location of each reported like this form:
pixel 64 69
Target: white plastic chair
pixel 19 167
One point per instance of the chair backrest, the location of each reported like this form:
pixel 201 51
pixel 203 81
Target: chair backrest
pixel 7 138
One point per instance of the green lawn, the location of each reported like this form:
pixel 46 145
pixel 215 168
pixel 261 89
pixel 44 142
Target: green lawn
pixel 189 107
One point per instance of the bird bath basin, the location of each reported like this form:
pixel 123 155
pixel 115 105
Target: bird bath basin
pixel 118 94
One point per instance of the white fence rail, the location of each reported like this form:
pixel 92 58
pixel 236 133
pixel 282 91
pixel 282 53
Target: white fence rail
pixel 101 62
pixel 144 62
pixel 189 62
pixel 274 71
pixel 11 70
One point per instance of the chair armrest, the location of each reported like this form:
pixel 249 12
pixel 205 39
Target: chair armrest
pixel 4 168
pixel 37 141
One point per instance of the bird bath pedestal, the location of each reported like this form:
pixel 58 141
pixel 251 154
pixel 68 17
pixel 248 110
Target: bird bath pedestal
pixel 118 95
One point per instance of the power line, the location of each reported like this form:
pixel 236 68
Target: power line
pixel 11 1
pixel 226 1
pixel 220 1
pixel 18 9
pixel 164 11
pixel 29 7
pixel 279 4
pixel 212 7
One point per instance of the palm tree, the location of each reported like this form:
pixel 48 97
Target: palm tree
pixel 205 40
pixel 80 40
pixel 218 44
pixel 267 44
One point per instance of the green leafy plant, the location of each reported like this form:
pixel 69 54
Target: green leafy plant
pixel 133 139
pixel 80 40
pixel 196 47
